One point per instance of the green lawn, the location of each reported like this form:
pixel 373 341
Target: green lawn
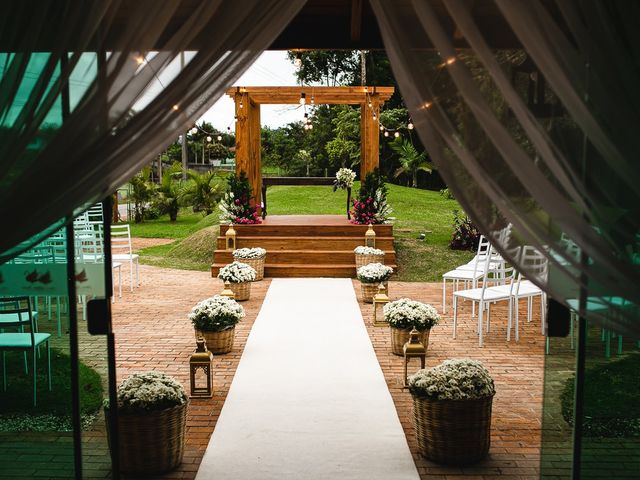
pixel 415 211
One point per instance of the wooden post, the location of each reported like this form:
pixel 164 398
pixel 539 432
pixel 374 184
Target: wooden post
pixel 248 157
pixel 369 136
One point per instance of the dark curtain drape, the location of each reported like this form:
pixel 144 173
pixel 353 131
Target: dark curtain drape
pixel 91 91
pixel 539 138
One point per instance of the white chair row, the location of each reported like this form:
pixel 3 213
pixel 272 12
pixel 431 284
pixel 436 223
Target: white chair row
pixel 514 288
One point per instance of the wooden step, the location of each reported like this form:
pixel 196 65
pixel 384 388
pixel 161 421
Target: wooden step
pixel 313 257
pixel 280 270
pixel 305 243
pixel 262 230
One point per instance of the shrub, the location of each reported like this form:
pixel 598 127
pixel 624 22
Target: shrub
pixel 465 234
pixel 236 204
pixel 371 205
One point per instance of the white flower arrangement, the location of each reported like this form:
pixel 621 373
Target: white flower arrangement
pixel 362 250
pixel 237 272
pixel 149 391
pixel 344 178
pixel 374 273
pixel 216 314
pixel 407 313
pixel 457 379
pixel 249 253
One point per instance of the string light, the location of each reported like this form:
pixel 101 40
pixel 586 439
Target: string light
pixel 382 128
pixel 140 60
pixel 397 134
pixel 386 133
pixel 219 138
pixel 208 138
pixel 303 98
pixel 175 108
pixel 450 60
pixel 229 130
pixel 241 104
pixel 193 131
pixel 375 117
pixel 410 125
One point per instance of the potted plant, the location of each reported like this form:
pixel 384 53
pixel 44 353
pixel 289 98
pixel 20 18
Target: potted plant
pixel 366 255
pixel 371 276
pixel 215 320
pixel 452 411
pixel 254 257
pixel 239 275
pixel 152 417
pixel 403 315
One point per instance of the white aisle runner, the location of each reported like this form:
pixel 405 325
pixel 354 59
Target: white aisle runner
pixel 309 400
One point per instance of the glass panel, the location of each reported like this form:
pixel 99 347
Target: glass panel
pixel 36 429
pixel 38 439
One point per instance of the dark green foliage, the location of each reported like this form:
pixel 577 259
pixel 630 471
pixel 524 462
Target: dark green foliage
pixel 373 182
pixel 611 399
pixel 466 235
pixel 19 395
pixel 202 191
pixel 236 204
pixel 169 191
pixel 411 161
pixel 371 205
pixel 142 191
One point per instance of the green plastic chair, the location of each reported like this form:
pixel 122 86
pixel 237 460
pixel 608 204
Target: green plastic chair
pixel 16 312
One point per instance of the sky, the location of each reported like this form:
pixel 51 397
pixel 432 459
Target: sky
pixel 271 69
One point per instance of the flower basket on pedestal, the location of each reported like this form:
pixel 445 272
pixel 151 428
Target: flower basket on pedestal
pixel 371 276
pixel 152 417
pixel 239 275
pixel 405 314
pixel 366 255
pixel 452 411
pixel 254 257
pixel 215 320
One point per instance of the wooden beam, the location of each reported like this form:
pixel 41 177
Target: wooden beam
pixel 356 20
pixel 369 136
pixel 321 95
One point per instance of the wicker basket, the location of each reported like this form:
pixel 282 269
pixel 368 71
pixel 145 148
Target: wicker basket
pixel 242 291
pixel 256 263
pixel 151 443
pixel 362 260
pixel 453 432
pixel 400 336
pixel 370 289
pixel 218 342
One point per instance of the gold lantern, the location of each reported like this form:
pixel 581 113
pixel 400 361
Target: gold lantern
pixel 227 292
pixel 200 359
pixel 230 237
pixel 380 299
pixel 370 237
pixel 413 349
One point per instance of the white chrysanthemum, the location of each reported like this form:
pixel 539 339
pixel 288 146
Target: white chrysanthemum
pixel 249 253
pixel 374 273
pixel 457 379
pixel 237 272
pixel 407 313
pixel 362 250
pixel 150 391
pixel 216 314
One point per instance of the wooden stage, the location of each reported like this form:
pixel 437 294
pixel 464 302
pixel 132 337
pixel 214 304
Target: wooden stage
pixel 305 245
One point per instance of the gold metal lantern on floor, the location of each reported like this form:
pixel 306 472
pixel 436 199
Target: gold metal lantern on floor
pixel 380 299
pixel 230 237
pixel 201 359
pixel 370 237
pixel 413 349
pixel 227 292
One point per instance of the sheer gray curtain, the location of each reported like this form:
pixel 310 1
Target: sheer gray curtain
pixel 91 91
pixel 541 138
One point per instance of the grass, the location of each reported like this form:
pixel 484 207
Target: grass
pixel 611 399
pixel 415 211
pixel 18 399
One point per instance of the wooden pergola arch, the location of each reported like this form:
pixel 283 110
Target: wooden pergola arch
pixel 249 99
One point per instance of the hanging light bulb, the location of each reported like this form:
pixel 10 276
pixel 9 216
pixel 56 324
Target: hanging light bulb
pixel 219 138
pixel 375 117
pixel 229 130
pixel 386 134
pixel 298 61
pixel 382 128
pixel 140 60
pixel 303 98
pixel 311 126
pixel 209 138
pixel 241 105
pixel 194 130
pixel 397 134
pixel 410 125
pixel 313 100
pixel 306 126
pixel 175 108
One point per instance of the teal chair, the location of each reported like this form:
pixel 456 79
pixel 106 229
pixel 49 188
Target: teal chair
pixel 16 312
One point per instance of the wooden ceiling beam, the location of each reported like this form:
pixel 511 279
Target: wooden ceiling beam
pixel 321 95
pixel 356 20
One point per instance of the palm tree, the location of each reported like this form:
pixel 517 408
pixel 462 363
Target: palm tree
pixel 411 161
pixel 169 191
pixel 202 192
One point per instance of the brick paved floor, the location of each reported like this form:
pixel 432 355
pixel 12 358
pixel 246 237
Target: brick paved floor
pixel 153 333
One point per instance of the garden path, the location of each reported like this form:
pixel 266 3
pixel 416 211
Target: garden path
pixel 309 399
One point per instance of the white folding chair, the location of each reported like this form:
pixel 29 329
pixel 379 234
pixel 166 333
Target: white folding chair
pixel 485 296
pixel 18 313
pixel 123 251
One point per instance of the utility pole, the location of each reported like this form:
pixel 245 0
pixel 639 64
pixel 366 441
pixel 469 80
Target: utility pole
pixel 184 135
pixel 363 67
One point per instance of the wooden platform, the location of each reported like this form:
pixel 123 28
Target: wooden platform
pixel 305 245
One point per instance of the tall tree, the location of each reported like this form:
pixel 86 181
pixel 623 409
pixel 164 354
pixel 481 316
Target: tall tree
pixel 411 161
